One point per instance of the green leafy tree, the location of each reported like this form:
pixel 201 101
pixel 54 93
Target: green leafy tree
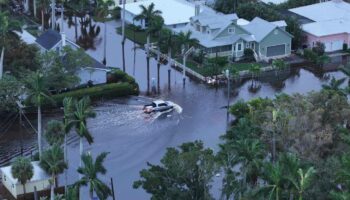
pixel 335 85
pixel 38 93
pixel 22 169
pixel 184 173
pixel 90 172
pixel 10 91
pixel 148 16
pixel 7 28
pixel 52 162
pixel 304 181
pixel 184 40
pixel 54 132
pixel 278 65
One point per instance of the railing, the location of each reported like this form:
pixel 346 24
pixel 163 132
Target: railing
pixel 176 64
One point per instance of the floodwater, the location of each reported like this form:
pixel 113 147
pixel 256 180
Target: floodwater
pixel 134 138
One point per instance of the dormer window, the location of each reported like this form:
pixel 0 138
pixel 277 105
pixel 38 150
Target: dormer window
pixel 231 30
pixel 275 32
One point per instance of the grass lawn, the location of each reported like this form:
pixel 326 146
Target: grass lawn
pixel 140 36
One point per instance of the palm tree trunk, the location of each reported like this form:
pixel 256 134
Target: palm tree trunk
pixel 39 131
pixel 66 161
pixel 42 20
pixel 91 194
pixel 24 190
pixel 52 193
pixel 104 61
pixel 123 52
pixel 147 59
pixel 76 27
pixel 2 61
pixel 123 34
pixel 158 71
pixel 34 8
pixel 81 152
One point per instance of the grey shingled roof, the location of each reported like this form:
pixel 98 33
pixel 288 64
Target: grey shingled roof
pixel 49 39
pixel 259 28
pixel 210 19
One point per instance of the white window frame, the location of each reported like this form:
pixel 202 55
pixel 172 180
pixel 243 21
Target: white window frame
pixel 231 30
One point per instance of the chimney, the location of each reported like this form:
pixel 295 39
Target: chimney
pixel 197 9
pixel 63 38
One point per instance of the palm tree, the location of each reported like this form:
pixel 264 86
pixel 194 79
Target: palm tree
pixel 79 9
pixel 55 132
pixel 38 93
pixel 250 153
pixel 255 71
pixel 335 85
pixel 304 181
pixel 43 6
pixel 53 163
pixel 22 169
pixel 7 28
pixel 275 180
pixel 90 171
pixel 278 65
pixel 184 41
pixel 102 11
pixel 147 16
pixel 82 112
pixel 68 114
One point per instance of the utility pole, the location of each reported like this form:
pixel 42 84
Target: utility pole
pixel 123 35
pixel 185 54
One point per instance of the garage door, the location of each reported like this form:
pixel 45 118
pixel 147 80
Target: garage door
pixel 276 50
pixel 333 46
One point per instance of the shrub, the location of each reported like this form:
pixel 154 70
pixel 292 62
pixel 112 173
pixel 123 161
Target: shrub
pixel 319 48
pixel 98 92
pixel 310 55
pixel 117 75
pixel 345 47
pixel 239 109
pixel 249 55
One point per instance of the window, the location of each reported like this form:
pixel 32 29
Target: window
pixel 239 48
pixel 208 32
pixel 231 30
pixel 4 177
pixel 247 45
pixel 275 32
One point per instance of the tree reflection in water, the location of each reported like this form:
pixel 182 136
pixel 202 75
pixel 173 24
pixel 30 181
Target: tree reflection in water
pixel 89 34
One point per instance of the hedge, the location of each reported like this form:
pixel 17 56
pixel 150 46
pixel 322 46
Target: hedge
pixel 99 92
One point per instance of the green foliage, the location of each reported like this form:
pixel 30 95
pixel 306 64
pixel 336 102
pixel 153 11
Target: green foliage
pixel 251 10
pixel 117 76
pixel 83 111
pixel 345 46
pixel 319 48
pixel 54 132
pixel 294 28
pixel 52 161
pixel 10 91
pixel 98 92
pixel 279 64
pixel 63 70
pixel 249 55
pixel 37 87
pixel 90 171
pixel 22 169
pixel 184 173
pixel 239 109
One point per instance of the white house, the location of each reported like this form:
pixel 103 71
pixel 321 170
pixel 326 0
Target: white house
pixel 40 180
pixel 176 13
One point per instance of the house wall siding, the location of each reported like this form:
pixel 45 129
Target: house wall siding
pixel 312 39
pixel 238 30
pixel 273 39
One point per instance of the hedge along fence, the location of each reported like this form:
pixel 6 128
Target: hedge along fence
pixel 105 91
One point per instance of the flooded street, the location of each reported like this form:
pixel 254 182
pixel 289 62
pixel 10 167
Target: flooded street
pixel 134 138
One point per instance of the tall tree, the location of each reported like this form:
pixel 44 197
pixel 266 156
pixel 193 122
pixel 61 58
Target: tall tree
pixel 54 132
pixel 101 14
pixel 90 172
pixel 38 93
pixel 22 169
pixel 147 17
pixel 53 163
pixel 82 113
pixel 44 9
pixel 7 28
pixel 184 173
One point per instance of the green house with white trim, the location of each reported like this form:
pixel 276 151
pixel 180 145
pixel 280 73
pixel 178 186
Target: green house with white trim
pixel 227 35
